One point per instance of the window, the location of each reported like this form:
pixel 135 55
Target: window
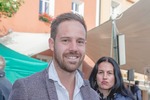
pixel 78 7
pixel 75 7
pixel 46 6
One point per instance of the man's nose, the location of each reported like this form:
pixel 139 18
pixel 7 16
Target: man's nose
pixel 73 45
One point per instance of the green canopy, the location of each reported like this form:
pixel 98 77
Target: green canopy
pixel 19 65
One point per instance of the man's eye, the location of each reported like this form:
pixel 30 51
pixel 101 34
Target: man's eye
pixel 65 40
pixel 81 42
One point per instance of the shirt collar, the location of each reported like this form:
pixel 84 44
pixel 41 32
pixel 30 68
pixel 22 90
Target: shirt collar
pixel 52 74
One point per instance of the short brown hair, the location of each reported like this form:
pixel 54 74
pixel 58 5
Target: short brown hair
pixel 137 82
pixel 65 17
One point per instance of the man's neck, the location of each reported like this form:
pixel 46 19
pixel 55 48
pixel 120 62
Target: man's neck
pixel 67 79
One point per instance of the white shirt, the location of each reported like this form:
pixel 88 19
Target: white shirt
pixel 60 89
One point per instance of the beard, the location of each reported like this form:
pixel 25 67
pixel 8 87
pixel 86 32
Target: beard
pixel 67 65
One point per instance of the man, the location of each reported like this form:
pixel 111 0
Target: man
pixel 1 96
pixel 136 91
pixel 61 80
pixel 5 84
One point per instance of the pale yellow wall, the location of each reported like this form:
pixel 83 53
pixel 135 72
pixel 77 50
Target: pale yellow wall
pixel 145 95
pixel 106 10
pixel 125 4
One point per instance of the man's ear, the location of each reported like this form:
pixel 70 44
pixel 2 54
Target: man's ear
pixel 51 43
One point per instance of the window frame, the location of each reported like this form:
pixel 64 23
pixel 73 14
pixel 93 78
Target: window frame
pixel 49 9
pixel 77 6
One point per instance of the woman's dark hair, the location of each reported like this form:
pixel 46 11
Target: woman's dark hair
pixel 65 17
pixel 119 84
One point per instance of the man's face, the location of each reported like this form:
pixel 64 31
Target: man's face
pixel 69 46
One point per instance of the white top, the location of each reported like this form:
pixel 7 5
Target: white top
pixel 62 92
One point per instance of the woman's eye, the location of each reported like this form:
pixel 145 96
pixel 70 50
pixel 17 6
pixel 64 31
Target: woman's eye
pixel 110 73
pixel 100 72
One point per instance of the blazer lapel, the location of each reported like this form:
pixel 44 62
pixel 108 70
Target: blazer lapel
pixel 85 90
pixel 51 88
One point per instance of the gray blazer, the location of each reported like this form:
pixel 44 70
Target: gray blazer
pixel 5 85
pixel 39 87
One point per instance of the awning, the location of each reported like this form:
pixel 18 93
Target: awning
pixel 26 43
pixel 135 24
pixel 19 65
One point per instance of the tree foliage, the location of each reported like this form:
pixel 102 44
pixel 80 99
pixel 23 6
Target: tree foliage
pixel 9 7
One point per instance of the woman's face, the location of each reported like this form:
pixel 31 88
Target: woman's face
pixel 105 76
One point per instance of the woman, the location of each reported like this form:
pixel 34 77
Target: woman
pixel 107 80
